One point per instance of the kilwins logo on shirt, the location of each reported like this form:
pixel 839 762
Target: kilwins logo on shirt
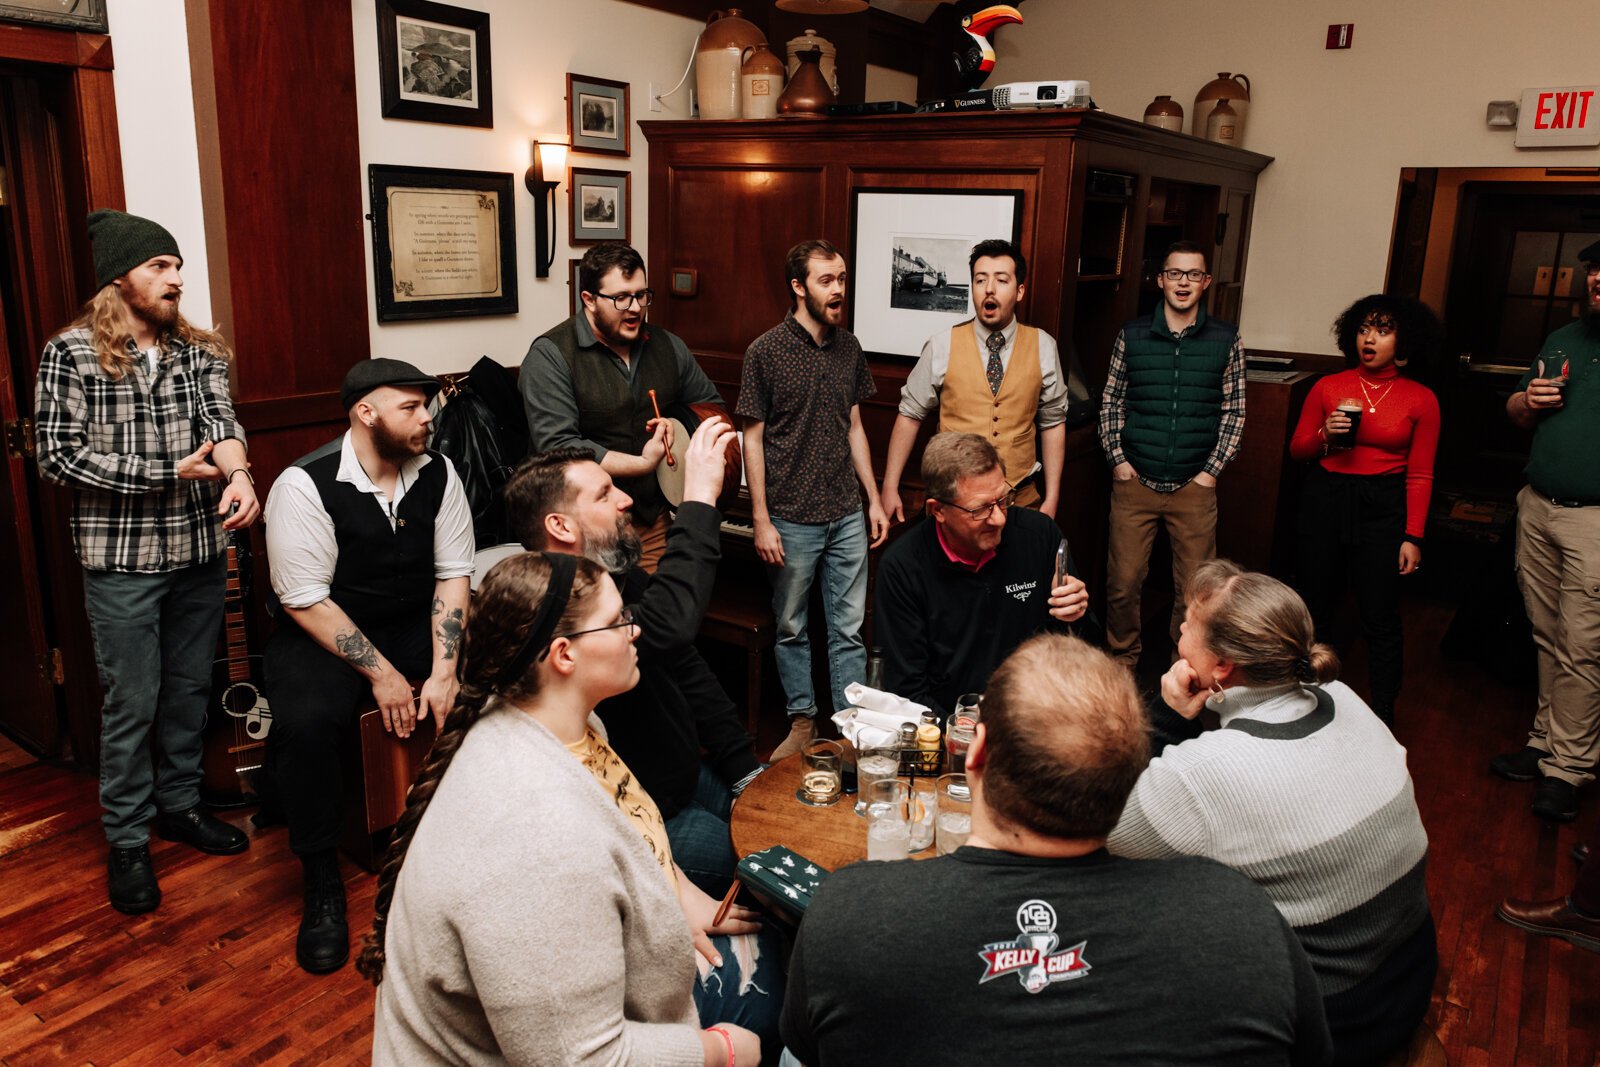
pixel 1022 590
pixel 1032 956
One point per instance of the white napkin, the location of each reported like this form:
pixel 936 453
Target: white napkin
pixel 875 717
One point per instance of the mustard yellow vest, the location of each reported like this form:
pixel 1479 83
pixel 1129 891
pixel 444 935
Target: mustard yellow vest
pixel 1006 418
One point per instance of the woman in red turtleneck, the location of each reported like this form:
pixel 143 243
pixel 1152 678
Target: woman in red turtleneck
pixel 1364 508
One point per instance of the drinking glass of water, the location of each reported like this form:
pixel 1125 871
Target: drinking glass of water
pixel 921 806
pixel 967 711
pixel 819 785
pixel 955 812
pixel 888 831
pixel 874 765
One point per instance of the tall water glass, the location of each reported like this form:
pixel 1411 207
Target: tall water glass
pixel 921 806
pixel 956 742
pixel 955 812
pixel 874 765
pixel 968 711
pixel 888 832
pixel 819 784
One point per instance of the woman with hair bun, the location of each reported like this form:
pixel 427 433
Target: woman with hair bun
pixel 1364 507
pixel 1302 789
pixel 529 910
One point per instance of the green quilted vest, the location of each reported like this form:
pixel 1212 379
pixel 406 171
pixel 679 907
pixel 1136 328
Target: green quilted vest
pixel 1174 399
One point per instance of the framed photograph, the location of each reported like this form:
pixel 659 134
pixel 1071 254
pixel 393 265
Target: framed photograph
pixel 88 15
pixel 574 299
pixel 597 115
pixel 910 276
pixel 443 243
pixel 433 60
pixel 598 205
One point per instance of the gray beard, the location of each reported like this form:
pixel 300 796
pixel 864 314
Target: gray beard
pixel 620 554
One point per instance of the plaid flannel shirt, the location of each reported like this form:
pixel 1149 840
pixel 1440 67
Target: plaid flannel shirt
pixel 1114 411
pixel 116 443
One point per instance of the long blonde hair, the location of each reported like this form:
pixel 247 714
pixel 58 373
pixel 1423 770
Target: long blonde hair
pixel 105 316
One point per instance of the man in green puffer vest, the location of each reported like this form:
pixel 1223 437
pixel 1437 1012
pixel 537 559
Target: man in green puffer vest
pixel 1170 420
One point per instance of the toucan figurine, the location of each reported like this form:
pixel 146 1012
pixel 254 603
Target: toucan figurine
pixel 975 55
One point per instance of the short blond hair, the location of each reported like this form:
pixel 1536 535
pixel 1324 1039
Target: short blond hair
pixel 951 457
pixel 1258 624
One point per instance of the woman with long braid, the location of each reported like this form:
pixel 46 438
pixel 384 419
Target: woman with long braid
pixel 529 910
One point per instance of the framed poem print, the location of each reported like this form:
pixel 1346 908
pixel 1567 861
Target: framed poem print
pixel 598 205
pixel 597 115
pixel 433 61
pixel 910 276
pixel 443 243
pixel 86 15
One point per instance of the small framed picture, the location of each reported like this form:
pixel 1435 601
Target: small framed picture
pixel 86 15
pixel 597 115
pixel 433 60
pixel 598 205
pixel 574 292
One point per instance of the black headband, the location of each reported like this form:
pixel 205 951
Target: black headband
pixel 541 631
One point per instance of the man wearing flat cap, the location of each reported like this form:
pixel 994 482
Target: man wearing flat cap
pixel 370 538
pixel 1558 556
pixel 133 415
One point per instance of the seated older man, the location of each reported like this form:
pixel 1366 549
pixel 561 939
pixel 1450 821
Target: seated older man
pixel 1032 944
pixel 1304 790
pixel 970 582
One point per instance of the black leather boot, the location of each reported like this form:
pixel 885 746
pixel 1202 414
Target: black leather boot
pixel 323 944
pixel 131 880
pixel 202 830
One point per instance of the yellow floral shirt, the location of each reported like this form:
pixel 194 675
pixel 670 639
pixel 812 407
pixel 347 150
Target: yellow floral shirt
pixel 630 797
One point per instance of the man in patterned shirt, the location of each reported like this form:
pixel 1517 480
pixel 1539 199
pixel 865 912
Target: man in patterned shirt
pixel 134 417
pixel 1170 420
pixel 800 397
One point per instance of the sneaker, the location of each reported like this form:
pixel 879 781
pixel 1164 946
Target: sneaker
pixel 802 731
pixel 1522 766
pixel 131 880
pixel 1556 800
pixel 202 830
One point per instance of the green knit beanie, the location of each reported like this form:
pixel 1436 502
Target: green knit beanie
pixel 122 242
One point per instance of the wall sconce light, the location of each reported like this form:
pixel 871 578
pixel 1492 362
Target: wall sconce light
pixel 548 157
pixel 1501 113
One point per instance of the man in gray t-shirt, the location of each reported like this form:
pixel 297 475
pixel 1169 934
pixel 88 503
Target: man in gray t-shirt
pixel 800 396
pixel 1032 944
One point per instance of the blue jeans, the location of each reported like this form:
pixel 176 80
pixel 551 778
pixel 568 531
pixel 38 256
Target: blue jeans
pixel 155 637
pixel 701 843
pixel 839 550
pixel 724 995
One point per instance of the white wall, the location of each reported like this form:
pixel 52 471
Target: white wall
pixel 155 125
pixel 1341 124
pixel 535 44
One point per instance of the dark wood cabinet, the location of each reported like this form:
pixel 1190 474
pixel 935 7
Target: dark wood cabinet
pixel 1101 197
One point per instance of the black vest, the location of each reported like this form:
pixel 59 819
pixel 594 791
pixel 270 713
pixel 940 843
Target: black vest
pixel 383 574
pixel 612 410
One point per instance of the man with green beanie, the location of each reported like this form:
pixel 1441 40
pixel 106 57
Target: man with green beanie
pixel 133 416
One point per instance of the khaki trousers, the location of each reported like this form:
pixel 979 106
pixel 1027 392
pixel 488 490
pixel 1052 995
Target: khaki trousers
pixel 1558 569
pixel 1190 515
pixel 653 541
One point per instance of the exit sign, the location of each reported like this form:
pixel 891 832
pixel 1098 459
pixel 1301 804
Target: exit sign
pixel 1568 115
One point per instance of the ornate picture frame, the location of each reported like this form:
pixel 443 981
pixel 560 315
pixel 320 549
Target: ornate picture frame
pixel 84 15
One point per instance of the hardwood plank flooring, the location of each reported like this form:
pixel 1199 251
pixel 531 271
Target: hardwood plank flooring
pixel 210 976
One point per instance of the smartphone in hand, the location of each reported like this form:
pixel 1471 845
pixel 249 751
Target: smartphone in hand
pixel 1061 565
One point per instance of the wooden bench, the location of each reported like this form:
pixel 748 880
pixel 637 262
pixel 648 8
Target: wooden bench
pixel 741 614
pixel 379 768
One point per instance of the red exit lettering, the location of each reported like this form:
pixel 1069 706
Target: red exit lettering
pixel 1562 111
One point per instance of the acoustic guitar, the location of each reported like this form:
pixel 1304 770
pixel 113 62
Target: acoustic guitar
pixel 238 718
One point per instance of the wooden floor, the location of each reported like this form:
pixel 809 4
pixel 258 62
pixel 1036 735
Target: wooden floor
pixel 210 976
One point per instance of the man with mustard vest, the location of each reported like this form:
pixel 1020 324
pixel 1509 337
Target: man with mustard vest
pixel 992 376
pixel 1170 420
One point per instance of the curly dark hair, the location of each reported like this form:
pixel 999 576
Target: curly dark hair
pixel 1418 333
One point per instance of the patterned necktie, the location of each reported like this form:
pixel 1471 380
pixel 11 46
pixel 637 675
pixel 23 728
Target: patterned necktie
pixel 996 372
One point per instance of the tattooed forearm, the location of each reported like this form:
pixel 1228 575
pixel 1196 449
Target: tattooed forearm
pixel 357 650
pixel 438 606
pixel 449 632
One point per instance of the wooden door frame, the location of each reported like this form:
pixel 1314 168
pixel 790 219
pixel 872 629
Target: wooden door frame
pixel 54 274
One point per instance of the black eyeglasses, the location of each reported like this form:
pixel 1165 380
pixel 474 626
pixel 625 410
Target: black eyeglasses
pixel 1173 274
pixel 983 511
pixel 624 301
pixel 625 619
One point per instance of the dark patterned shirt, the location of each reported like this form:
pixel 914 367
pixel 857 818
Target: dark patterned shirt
pixel 803 392
pixel 116 443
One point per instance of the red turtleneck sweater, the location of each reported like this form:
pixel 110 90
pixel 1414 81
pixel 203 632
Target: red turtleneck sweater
pixel 1401 435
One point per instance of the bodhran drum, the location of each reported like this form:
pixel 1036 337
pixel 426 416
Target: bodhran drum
pixel 485 558
pixel 685 419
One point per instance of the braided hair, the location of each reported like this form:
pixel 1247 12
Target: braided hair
pixel 523 601
pixel 1259 624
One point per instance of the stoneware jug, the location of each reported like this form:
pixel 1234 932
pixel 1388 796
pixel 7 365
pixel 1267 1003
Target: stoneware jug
pixel 1235 89
pixel 1223 125
pixel 761 83
pixel 717 60
pixel 808 95
pixel 1164 112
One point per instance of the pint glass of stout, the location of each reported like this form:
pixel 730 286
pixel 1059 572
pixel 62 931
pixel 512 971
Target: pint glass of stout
pixel 1351 409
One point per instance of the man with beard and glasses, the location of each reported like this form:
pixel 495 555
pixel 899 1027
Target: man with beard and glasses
pixel 370 538
pixel 1171 418
pixel 968 373
pixel 1558 556
pixel 800 396
pixel 133 415
pixel 563 501
pixel 587 383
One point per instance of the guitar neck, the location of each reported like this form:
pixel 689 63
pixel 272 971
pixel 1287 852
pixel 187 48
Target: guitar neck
pixel 233 619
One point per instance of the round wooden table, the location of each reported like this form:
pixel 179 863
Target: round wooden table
pixel 767 813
